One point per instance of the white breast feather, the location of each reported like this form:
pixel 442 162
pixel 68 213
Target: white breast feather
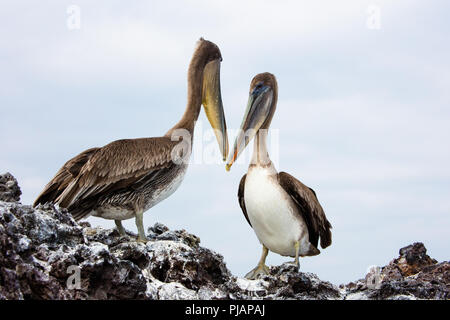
pixel 272 213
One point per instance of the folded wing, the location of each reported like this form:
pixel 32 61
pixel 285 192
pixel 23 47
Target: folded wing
pixel 309 207
pixel 241 199
pixel 121 165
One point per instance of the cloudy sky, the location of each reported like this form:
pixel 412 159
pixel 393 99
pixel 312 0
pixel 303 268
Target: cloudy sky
pixel 363 111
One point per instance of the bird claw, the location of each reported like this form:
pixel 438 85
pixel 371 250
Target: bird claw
pixel 294 264
pixel 260 270
pixel 142 240
pixel 122 234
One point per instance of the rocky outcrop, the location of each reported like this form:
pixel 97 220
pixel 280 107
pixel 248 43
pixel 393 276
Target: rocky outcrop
pixel 413 275
pixel 9 188
pixel 45 254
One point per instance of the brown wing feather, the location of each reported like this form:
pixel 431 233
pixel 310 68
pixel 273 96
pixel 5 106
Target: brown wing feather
pixel 241 198
pixel 116 166
pixel 63 177
pixel 310 208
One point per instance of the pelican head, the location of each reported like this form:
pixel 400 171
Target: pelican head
pixel 261 106
pixel 208 56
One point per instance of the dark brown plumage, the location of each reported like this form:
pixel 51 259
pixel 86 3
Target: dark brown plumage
pixel 241 199
pixel 63 177
pixel 127 177
pixel 308 205
pixel 104 175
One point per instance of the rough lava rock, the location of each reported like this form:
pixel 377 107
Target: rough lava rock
pixel 9 188
pixel 413 275
pixel 45 254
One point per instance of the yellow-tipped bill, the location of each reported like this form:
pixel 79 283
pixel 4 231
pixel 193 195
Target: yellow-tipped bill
pixel 212 102
pixel 258 109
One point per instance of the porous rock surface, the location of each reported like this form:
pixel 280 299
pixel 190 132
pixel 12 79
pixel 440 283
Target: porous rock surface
pixel 413 275
pixel 45 254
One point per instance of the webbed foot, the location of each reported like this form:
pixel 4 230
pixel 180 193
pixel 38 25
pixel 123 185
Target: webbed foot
pixel 295 264
pixel 259 271
pixel 142 239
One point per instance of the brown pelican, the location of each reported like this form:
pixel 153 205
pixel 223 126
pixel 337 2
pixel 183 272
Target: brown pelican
pixel 284 213
pixel 127 177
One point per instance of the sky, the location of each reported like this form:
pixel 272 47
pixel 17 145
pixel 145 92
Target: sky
pixel 362 117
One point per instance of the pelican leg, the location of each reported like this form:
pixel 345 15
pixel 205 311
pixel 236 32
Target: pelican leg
pixel 120 227
pixel 261 268
pixel 296 262
pixel 140 226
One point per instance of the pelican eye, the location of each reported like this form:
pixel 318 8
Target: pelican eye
pixel 257 89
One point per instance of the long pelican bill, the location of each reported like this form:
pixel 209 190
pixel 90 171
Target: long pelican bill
pixel 258 109
pixel 212 102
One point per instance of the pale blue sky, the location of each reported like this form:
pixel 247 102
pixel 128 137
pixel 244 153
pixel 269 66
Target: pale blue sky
pixel 363 115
